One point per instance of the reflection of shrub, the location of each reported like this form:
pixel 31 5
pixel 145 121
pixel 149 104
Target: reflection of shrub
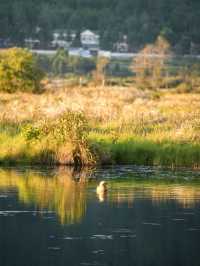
pixel 19 71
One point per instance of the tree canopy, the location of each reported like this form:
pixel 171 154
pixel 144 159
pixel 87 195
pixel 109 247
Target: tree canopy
pixel 141 20
pixel 19 71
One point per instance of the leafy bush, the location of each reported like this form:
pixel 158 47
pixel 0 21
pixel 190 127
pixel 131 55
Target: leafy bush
pixel 67 135
pixel 31 132
pixel 19 71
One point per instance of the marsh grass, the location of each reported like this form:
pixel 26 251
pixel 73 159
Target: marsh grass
pixel 125 126
pixel 141 151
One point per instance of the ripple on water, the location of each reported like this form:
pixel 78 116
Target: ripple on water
pixel 72 238
pixel 54 248
pixel 52 237
pixel 127 236
pixel 3 196
pixel 178 219
pixel 95 263
pixel 152 224
pixel 13 212
pixel 192 229
pixel 100 251
pixel 123 230
pixel 102 237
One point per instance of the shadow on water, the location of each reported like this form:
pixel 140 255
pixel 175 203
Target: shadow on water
pixel 67 192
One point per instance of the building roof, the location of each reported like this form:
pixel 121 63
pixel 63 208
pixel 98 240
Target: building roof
pixel 88 32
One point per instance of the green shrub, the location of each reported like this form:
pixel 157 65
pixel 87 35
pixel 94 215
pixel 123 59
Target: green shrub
pixel 67 136
pixel 31 132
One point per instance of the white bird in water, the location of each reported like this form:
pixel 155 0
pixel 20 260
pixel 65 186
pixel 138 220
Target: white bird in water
pixel 102 187
pixel 102 191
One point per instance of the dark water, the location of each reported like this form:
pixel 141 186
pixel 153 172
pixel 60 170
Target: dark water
pixel 54 217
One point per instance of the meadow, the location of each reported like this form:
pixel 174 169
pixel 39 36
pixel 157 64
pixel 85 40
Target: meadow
pixel 124 126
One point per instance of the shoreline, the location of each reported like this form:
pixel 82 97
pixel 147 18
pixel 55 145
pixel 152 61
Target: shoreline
pixel 119 126
pixel 128 152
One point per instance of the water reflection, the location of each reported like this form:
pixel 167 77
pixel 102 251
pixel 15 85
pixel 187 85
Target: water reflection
pixel 60 193
pixel 67 193
pixel 187 195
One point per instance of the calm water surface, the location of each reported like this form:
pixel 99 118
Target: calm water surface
pixel 54 217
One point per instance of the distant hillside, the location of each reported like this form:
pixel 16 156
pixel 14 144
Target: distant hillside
pixel 141 20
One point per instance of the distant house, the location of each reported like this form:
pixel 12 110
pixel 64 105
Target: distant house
pixel 62 38
pixel 89 40
pixel 64 35
pixel 60 44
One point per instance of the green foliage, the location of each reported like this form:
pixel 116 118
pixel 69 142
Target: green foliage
pixel 71 126
pixel 140 151
pixel 62 63
pixel 19 71
pixel 31 132
pixel 68 131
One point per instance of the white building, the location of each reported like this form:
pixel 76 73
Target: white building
pixel 60 44
pixel 63 38
pixel 89 40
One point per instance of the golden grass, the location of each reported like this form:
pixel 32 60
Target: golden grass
pixel 117 115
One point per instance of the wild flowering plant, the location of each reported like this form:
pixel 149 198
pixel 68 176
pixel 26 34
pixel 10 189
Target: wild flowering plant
pixel 67 135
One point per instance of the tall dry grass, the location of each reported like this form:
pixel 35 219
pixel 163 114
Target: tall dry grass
pixel 126 125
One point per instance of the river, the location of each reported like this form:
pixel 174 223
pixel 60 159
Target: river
pixel 53 217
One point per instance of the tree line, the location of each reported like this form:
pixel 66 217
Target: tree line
pixel 20 70
pixel 141 20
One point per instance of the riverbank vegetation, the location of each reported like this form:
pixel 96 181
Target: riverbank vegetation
pixel 97 123
pixel 120 125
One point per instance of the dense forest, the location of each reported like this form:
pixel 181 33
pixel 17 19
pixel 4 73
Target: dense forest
pixel 141 20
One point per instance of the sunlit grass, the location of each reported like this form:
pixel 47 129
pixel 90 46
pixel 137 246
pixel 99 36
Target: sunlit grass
pixel 127 126
pixel 132 149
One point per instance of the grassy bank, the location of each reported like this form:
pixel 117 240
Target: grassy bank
pixel 141 151
pixel 125 126
pixel 15 150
